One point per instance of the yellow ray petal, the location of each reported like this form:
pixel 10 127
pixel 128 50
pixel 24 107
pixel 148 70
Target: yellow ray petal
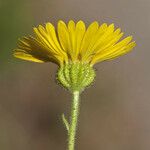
pixel 44 38
pixel 80 31
pixel 54 40
pixel 63 35
pixel 72 39
pixel 89 51
pixel 89 34
pixel 48 38
pixel 101 30
pixel 110 41
pixel 117 48
pixel 41 38
pixel 34 48
pixel 24 56
pixel 128 48
pixel 51 34
pixel 104 37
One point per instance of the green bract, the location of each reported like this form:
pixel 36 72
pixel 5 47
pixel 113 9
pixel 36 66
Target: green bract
pixel 76 76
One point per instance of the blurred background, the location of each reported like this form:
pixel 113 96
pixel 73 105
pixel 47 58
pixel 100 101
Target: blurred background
pixel 115 110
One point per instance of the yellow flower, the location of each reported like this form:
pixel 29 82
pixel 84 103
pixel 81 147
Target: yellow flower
pixel 75 49
pixel 74 43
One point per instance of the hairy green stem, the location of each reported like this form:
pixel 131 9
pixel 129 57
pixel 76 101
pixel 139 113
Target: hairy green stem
pixel 73 120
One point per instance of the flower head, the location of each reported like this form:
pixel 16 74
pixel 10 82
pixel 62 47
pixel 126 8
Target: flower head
pixel 74 43
pixel 74 48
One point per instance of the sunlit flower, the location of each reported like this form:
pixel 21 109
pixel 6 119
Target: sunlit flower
pixel 74 43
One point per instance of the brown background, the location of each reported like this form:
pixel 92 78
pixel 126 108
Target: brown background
pixel 115 110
